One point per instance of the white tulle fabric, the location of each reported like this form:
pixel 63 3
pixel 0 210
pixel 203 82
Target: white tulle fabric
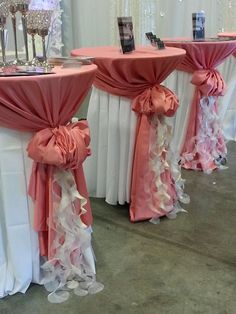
pixel 112 126
pixel 162 159
pixel 72 267
pixel 19 251
pixel 206 141
pixel 108 171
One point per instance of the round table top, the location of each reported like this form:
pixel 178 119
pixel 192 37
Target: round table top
pixel 205 54
pixel 30 103
pixel 185 41
pixel 130 74
pixel 110 52
pixel 227 35
pixel 57 72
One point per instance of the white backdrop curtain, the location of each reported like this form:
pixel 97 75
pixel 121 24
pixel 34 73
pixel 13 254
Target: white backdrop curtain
pixel 93 23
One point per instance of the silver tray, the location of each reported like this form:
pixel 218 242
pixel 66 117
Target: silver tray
pixel 84 60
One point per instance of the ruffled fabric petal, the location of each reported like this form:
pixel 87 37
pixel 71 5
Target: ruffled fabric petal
pixel 209 82
pixel 156 100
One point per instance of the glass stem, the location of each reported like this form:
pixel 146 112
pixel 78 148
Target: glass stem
pixel 33 46
pixel 44 49
pixel 3 44
pixel 13 19
pixel 23 19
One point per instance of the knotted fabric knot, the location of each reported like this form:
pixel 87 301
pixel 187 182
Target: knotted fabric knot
pixel 64 146
pixel 209 82
pixel 157 99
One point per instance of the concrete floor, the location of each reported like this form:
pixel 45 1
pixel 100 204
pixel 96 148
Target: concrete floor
pixel 181 266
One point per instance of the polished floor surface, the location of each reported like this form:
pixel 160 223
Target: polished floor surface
pixel 182 266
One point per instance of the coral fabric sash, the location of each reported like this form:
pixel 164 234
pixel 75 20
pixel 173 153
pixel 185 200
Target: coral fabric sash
pixel 64 147
pixel 138 76
pixel 203 145
pixel 45 104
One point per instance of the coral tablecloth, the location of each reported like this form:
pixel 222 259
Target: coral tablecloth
pixel 138 76
pixel 204 146
pixel 44 104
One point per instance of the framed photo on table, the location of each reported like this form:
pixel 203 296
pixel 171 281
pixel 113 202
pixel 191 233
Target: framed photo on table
pixel 125 25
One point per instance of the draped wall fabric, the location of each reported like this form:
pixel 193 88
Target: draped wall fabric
pixel 93 23
pixel 159 16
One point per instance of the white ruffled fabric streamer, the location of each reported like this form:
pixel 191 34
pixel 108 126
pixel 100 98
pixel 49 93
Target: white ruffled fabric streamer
pixel 207 139
pixel 70 269
pixel 163 159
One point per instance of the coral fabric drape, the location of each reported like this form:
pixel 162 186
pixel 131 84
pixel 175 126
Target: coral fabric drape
pixel 45 104
pixel 230 35
pixel 138 77
pixel 201 59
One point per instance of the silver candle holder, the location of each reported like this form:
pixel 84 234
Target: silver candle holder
pixel 32 30
pixel 23 7
pixel 44 21
pixel 13 11
pixel 34 22
pixel 3 18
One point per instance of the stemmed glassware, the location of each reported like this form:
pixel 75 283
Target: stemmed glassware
pixel 3 18
pixel 44 21
pixel 32 29
pixel 23 7
pixel 34 22
pixel 13 10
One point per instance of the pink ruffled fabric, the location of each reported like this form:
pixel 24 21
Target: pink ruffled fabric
pixel 209 82
pixel 65 147
pixel 157 99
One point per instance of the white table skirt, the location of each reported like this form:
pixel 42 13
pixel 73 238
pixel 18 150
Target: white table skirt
pixel 179 82
pixel 227 107
pixel 19 249
pixel 112 128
